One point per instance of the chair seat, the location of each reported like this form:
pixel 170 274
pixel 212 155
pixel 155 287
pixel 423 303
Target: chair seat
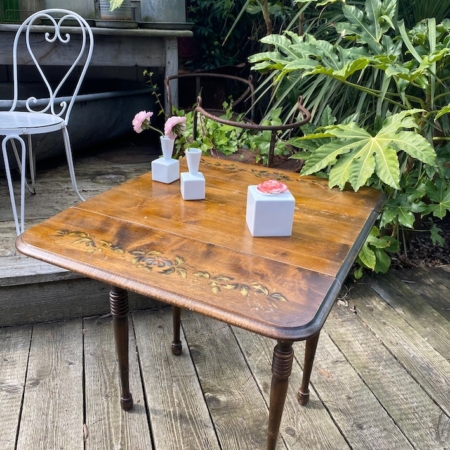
pixel 28 123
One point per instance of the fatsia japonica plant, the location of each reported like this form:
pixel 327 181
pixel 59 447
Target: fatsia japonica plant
pixel 388 88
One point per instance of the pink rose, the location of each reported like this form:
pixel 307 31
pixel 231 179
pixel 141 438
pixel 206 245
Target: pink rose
pixel 272 187
pixel 141 119
pixel 174 127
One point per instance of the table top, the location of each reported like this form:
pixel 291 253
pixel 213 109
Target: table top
pixel 200 255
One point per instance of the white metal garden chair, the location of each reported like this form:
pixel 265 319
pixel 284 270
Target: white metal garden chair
pixel 34 117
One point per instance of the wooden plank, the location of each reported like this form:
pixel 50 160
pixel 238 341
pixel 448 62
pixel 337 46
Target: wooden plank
pixel 302 426
pixel 238 410
pixel 428 367
pixel 20 269
pixel 422 317
pixel 108 426
pixel 66 299
pixel 52 416
pixel 430 284
pixel 178 413
pixel 14 348
pixel 355 410
pixel 414 412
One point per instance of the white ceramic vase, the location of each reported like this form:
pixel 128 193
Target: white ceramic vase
pixel 165 169
pixel 193 156
pixel 167 146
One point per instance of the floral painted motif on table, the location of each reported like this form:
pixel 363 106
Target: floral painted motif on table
pixel 156 262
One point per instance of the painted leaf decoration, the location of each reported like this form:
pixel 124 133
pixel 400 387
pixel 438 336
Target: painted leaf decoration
pixel 168 271
pixel 223 278
pixel 278 296
pixel 215 289
pixel 260 288
pixel 78 234
pixel 137 253
pixel 87 241
pixel 202 274
pixel 154 252
pixel 179 261
pixel 231 286
pixel 244 290
pixel 181 272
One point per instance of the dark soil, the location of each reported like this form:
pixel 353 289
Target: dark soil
pixel 421 252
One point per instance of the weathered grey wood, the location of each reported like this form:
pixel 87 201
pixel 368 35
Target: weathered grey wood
pixel 59 300
pixel 14 348
pixel 178 413
pixel 125 48
pixel 52 416
pixel 107 425
pixel 411 306
pixel 428 367
pixel 236 406
pixel 414 412
pixel 356 411
pixel 430 284
pixel 19 269
pixel 302 427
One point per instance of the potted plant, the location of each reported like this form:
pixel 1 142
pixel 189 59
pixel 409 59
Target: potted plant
pixel 116 10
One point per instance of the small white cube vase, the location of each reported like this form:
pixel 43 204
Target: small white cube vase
pixel 192 183
pixel 165 169
pixel 269 214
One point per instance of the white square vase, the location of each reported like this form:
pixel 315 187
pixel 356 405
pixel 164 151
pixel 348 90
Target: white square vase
pixel 165 170
pixel 192 186
pixel 269 214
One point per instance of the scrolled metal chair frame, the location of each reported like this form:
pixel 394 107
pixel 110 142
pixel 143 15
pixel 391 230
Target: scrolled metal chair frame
pixel 11 126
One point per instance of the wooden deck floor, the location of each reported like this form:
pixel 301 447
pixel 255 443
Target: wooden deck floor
pixel 381 378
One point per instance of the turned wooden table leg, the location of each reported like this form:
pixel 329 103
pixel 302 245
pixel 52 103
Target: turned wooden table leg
pixel 283 355
pixel 118 300
pixel 310 353
pixel 176 343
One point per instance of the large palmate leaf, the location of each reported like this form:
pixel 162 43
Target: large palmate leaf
pixel 354 155
pixel 369 26
pixel 438 192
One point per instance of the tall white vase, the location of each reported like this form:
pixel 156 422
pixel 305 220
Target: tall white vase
pixel 167 146
pixel 165 169
pixel 193 182
pixel 193 156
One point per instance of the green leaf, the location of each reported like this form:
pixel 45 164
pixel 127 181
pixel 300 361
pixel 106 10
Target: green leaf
pixel 367 256
pixel 439 193
pixel 416 146
pixel 443 111
pixel 325 155
pixel 383 261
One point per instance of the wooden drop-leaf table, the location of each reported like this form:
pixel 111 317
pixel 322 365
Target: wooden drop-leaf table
pixel 142 236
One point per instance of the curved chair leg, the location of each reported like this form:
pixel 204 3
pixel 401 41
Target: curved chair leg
pixel 70 162
pixel 19 226
pixel 32 164
pixel 31 189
